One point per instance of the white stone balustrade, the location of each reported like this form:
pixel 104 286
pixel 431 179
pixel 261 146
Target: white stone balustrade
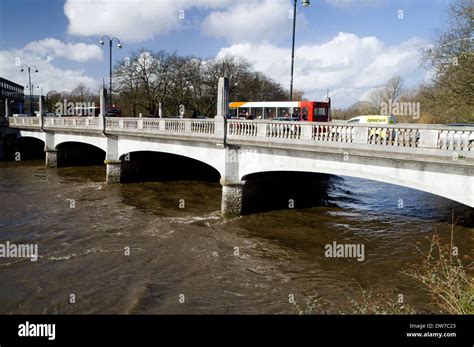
pixel 394 135
pixel 442 137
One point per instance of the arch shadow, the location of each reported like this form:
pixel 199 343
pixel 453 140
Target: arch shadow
pixel 79 154
pixel 149 166
pixel 28 148
pixel 283 190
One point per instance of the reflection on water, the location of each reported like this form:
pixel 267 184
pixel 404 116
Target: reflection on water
pixel 244 264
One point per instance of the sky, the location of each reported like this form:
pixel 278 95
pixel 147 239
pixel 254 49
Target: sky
pixel 348 47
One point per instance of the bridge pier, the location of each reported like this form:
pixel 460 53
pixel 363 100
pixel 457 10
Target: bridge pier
pixel 233 197
pixel 112 159
pixel 114 171
pixel 51 158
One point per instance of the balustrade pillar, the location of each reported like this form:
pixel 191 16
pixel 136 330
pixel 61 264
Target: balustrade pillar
pixel 187 126
pixel 222 108
pixel 306 131
pixel 428 138
pixel 361 135
pixel 261 129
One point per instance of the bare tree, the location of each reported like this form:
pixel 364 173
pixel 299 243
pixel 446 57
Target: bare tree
pixel 144 79
pixel 390 91
pixel 147 79
pixel 233 68
pixel 393 89
pixel 376 97
pixel 81 93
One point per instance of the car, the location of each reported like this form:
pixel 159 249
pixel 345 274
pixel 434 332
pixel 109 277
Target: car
pixel 286 119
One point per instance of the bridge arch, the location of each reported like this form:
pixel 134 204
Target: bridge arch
pixel 28 148
pixel 139 166
pixel 73 153
pixel 436 179
pixel 34 134
pixel 94 141
pixel 207 153
pixel 61 145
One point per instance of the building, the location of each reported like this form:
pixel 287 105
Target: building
pixel 14 93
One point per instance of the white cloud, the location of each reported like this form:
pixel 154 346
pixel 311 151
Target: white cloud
pixel 250 21
pixel 347 65
pixel 401 60
pixel 138 21
pixel 353 3
pixel 51 47
pixel 344 97
pixel 48 78
pixel 131 20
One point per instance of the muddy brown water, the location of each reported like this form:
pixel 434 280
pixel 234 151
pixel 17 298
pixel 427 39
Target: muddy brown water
pixel 248 264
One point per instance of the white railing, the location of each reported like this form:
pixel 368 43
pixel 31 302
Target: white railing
pixel 458 140
pixel 71 122
pixel 203 126
pixel 175 126
pixel 454 138
pixel 442 137
pixel 187 126
pixel 241 128
pixel 279 130
pixel 33 121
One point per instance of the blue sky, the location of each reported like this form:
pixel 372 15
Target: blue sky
pixel 348 46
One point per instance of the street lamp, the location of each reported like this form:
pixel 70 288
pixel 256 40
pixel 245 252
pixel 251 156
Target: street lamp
pixel 37 87
pixel 119 45
pixel 30 85
pixel 305 3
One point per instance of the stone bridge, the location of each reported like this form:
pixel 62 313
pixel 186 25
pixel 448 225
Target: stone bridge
pixel 433 158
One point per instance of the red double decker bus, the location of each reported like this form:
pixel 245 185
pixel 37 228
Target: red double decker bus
pixel 311 111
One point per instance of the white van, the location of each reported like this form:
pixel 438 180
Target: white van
pixel 373 119
pixel 376 119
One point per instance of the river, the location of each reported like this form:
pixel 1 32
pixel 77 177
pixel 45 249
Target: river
pixel 130 249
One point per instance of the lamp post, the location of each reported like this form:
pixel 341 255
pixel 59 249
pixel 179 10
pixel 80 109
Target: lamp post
pixel 305 3
pixel 32 111
pixel 37 87
pixel 119 45
pixel 41 100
